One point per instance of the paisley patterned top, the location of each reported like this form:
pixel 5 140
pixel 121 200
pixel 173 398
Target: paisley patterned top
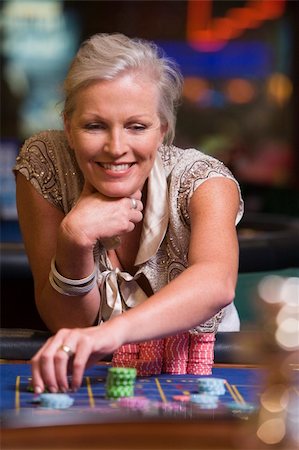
pixel 47 161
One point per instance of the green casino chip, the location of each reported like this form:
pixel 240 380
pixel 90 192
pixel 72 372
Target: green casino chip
pixel 120 382
pixel 122 373
pixel 116 382
pixel 120 391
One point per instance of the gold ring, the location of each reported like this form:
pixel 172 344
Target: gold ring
pixel 66 349
pixel 134 203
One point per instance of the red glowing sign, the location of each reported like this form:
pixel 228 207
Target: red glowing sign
pixel 206 32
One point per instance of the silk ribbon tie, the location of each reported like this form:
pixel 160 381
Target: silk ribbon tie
pixel 119 291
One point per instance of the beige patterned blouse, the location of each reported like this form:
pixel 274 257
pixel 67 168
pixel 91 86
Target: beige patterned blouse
pixel 47 161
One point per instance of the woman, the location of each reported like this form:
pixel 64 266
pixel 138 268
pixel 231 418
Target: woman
pixel 122 229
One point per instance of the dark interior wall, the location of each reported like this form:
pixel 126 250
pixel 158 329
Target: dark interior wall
pixel 294 15
pixel 163 19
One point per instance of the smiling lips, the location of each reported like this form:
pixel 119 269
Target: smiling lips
pixel 115 167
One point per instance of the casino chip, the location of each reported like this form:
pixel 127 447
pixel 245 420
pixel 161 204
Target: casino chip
pixel 120 382
pixel 201 354
pixel 182 353
pixel 237 408
pixel 146 357
pixel 209 391
pixel 175 356
pixel 205 401
pixel 137 403
pixel 211 386
pixel 242 410
pixel 181 398
pixel 55 401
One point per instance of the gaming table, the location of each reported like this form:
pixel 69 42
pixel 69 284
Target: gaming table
pixel 95 422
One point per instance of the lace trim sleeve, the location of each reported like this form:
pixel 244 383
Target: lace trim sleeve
pixel 37 163
pixel 196 172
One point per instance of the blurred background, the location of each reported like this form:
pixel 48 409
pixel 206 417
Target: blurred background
pixel 240 102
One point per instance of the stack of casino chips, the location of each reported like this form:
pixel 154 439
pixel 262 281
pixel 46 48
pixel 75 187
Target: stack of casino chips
pixel 150 357
pixel 120 382
pixel 201 354
pixel 125 356
pixel 209 391
pixel 146 357
pixel 176 350
pixel 179 354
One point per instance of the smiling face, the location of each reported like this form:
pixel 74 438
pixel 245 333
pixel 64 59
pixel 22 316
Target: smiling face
pixel 115 132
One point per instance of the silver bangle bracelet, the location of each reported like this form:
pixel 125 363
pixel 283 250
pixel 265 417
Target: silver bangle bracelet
pixel 70 290
pixel 69 281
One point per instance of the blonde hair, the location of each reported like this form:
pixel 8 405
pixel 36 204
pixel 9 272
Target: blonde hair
pixel 107 56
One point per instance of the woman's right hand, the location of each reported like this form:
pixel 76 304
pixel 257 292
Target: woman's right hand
pixel 97 217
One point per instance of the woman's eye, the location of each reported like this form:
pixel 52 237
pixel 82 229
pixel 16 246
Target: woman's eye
pixel 94 126
pixel 137 127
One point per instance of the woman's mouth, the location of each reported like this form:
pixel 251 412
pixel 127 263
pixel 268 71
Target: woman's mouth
pixel 115 167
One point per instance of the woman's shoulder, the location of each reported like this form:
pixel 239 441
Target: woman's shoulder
pixel 177 159
pixel 188 168
pixel 47 161
pixel 48 139
pixel 48 147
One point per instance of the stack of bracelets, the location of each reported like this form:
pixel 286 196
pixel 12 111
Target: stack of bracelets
pixel 67 286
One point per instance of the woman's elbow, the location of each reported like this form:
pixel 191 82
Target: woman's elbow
pixel 226 294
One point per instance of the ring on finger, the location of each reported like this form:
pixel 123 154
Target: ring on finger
pixel 66 349
pixel 134 203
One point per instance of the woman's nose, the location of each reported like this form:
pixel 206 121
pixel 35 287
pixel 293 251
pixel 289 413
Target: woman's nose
pixel 115 144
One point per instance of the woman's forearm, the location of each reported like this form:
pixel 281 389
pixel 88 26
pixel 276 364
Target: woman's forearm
pixel 60 311
pixel 73 261
pixel 191 299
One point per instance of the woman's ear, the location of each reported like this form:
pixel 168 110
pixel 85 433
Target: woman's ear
pixel 164 129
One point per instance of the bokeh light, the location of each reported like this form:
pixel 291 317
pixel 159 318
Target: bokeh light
pixel 269 289
pixel 272 431
pixel 279 88
pixel 275 398
pixel 195 88
pixel 240 91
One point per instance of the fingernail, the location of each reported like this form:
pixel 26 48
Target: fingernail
pixel 53 389
pixel 38 389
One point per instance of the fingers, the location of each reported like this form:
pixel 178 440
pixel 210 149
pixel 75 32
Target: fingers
pixel 43 372
pixel 137 195
pixel 135 204
pixel 62 360
pixel 68 351
pixel 81 357
pixel 50 364
pixel 97 216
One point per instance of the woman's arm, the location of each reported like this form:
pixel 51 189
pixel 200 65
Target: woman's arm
pixel 192 298
pixel 208 284
pixel 70 239
pixel 40 223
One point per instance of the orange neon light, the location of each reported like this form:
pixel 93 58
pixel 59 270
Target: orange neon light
pixel 205 31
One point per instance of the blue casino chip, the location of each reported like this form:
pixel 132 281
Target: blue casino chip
pixel 241 407
pixel 205 401
pixel 55 401
pixel 211 386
